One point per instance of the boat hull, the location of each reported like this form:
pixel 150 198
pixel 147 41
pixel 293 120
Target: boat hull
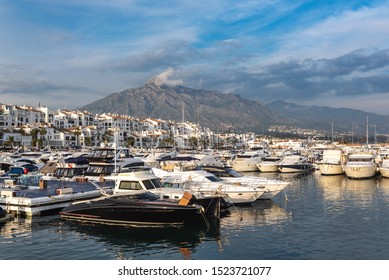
pixel 331 169
pixel 132 213
pixel 384 171
pixel 267 167
pixel 360 172
pixel 244 166
pixel 295 168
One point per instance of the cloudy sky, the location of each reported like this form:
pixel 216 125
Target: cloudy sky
pixel 68 53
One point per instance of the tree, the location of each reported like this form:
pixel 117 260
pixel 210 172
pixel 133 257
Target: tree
pixel 34 135
pixel 107 135
pixel 88 141
pixel 77 133
pixel 193 142
pixel 11 140
pixel 130 142
pixel 43 132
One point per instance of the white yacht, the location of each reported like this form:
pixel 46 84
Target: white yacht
pixel 295 164
pixel 248 160
pixel 360 166
pixel 332 163
pixel 272 187
pixel 202 182
pixel 269 164
pixel 384 168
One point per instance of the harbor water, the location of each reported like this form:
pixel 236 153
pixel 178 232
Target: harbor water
pixel 316 218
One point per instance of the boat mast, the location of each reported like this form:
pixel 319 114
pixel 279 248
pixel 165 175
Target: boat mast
pixel 367 130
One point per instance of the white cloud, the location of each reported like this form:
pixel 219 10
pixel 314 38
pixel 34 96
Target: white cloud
pixel 163 78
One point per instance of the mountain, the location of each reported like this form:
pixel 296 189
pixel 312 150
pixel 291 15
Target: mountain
pixel 213 109
pixel 322 117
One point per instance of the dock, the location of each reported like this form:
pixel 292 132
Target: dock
pixel 49 197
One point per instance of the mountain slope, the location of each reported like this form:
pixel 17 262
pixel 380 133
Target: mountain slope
pixel 322 118
pixel 212 109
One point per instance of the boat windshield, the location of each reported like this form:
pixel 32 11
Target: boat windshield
pixel 213 179
pixel 152 184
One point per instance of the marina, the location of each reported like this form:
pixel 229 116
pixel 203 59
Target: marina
pixel 317 218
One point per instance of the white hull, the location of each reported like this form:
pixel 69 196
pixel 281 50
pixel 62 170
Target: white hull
pixel 331 169
pixel 266 167
pixel 244 166
pixel 384 171
pixel 361 171
pixel 295 169
pixel 270 187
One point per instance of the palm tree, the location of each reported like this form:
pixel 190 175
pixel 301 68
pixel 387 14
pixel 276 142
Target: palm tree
pixel 106 136
pixel 193 141
pixel 77 133
pixel 43 132
pixel 34 134
pixel 11 140
pixel 130 141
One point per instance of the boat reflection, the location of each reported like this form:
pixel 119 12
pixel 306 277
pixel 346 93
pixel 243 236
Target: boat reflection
pixel 135 242
pixel 383 184
pixel 260 212
pixel 341 188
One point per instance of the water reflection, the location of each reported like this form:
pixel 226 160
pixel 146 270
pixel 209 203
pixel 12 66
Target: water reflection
pixel 259 213
pixel 383 185
pixel 132 242
pixel 341 188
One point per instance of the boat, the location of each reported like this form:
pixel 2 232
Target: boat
pixel 4 216
pixel 295 164
pixel 206 183
pixel 135 208
pixel 271 187
pixel 332 162
pixel 360 166
pixel 107 160
pixel 144 179
pixel 384 168
pixel 46 197
pixel 269 164
pixel 248 160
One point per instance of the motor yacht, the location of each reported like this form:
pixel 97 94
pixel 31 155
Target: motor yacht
pixel 360 166
pixel 145 179
pixel 200 181
pixel 384 168
pixel 271 187
pixel 294 164
pixel 332 163
pixel 269 164
pixel 248 160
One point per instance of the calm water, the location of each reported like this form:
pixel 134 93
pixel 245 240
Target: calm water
pixel 318 217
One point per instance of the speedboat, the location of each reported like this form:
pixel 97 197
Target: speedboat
pixel 360 166
pixel 134 208
pixel 295 164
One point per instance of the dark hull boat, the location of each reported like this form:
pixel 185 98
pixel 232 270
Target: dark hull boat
pixel 135 209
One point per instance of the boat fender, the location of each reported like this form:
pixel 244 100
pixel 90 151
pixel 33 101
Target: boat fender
pixel 184 201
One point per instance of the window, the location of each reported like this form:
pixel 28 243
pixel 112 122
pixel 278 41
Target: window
pixel 129 185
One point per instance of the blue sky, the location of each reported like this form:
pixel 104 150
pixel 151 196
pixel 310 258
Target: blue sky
pixel 68 53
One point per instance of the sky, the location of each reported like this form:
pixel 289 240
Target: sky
pixel 69 53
